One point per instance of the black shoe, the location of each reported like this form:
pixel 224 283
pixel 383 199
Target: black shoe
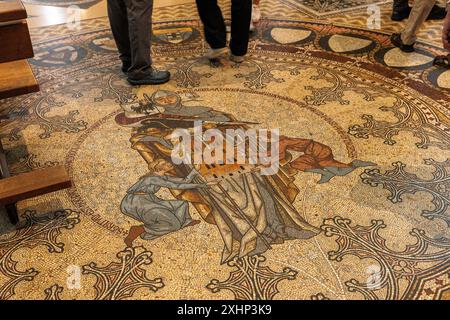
pixel 126 67
pixel 437 13
pixel 396 40
pixel 399 14
pixel 155 77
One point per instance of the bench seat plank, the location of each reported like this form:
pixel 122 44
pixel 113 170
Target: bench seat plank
pixel 32 184
pixel 16 78
pixel 10 11
pixel 16 42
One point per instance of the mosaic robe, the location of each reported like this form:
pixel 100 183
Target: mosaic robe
pixel 159 216
pixel 263 201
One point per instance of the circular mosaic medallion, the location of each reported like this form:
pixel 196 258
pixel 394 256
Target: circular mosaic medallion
pixel 359 124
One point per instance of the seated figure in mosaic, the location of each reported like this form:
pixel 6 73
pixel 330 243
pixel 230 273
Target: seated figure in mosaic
pixel 158 216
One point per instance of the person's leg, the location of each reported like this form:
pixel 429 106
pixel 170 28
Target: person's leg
pixel 241 14
pixel 437 13
pixel 213 22
pixel 140 32
pixel 117 13
pixel 419 13
pixel 400 10
pixel 139 18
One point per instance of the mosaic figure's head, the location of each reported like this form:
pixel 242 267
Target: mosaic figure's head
pixel 166 99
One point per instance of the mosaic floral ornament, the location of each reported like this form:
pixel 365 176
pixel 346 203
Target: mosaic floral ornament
pixel 185 75
pixel 251 281
pixel 410 118
pixel 53 293
pixel 38 114
pixel 399 182
pixel 417 264
pixel 120 280
pixel 37 231
pixel 39 109
pixel 340 85
pixel 26 162
pixel 319 296
pixel 324 7
pixel 260 76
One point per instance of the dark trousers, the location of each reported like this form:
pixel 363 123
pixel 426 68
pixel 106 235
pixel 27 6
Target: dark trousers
pixel 400 5
pixel 215 31
pixel 131 26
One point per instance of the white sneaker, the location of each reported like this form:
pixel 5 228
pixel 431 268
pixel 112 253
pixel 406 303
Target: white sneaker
pixel 216 53
pixel 256 14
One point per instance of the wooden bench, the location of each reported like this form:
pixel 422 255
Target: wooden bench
pixel 12 11
pixel 16 41
pixel 16 78
pixel 30 185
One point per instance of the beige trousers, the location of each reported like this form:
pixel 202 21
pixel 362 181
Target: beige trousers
pixel 419 13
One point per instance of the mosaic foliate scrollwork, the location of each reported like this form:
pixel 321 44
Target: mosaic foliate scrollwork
pixel 259 77
pixel 28 162
pixel 409 119
pixel 40 112
pixel 261 74
pixel 108 82
pixel 418 263
pixel 36 231
pixel 399 182
pixel 255 73
pixel 185 76
pixel 437 288
pixel 319 296
pixel 251 280
pixel 53 293
pixel 340 84
pixel 120 280
pixel 322 7
pixel 38 115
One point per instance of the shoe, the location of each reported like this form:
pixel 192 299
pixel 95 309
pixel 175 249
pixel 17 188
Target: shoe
pixel 216 53
pixel 155 77
pixel 237 59
pixel 256 14
pixel 396 40
pixel 437 13
pixel 125 67
pixel 399 14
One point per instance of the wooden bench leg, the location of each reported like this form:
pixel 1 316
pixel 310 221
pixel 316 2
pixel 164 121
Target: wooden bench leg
pixel 13 215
